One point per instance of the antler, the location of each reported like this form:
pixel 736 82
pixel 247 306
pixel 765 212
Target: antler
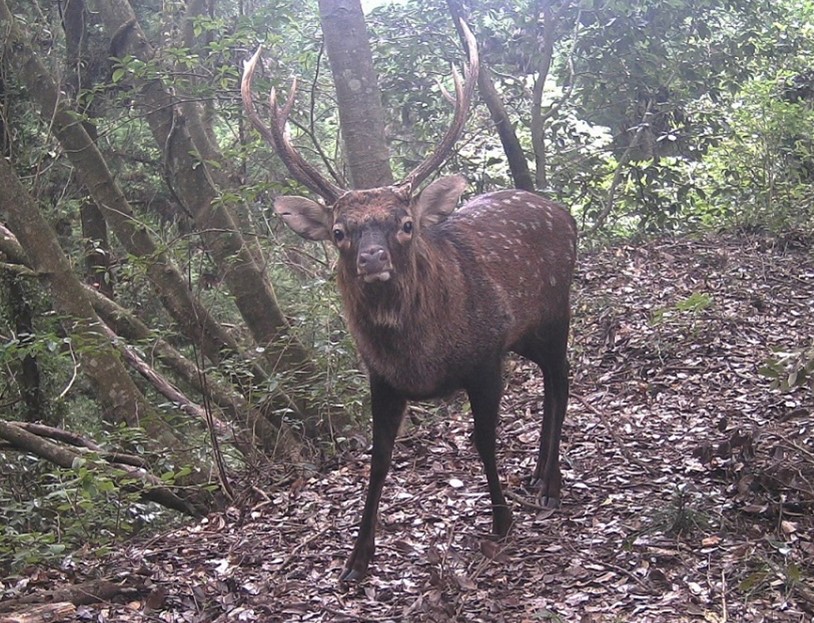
pixel 463 98
pixel 277 136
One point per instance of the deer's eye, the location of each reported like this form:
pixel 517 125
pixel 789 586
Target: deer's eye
pixel 339 235
pixel 407 227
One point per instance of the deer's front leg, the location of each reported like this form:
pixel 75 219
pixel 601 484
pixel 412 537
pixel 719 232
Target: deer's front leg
pixel 388 410
pixel 484 397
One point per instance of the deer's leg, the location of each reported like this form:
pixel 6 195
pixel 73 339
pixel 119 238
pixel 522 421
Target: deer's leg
pixel 547 476
pixel 388 410
pixel 484 396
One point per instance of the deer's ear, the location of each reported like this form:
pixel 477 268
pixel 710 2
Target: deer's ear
pixel 311 220
pixel 438 200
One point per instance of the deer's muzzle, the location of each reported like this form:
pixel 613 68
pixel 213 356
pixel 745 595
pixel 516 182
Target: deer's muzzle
pixel 373 264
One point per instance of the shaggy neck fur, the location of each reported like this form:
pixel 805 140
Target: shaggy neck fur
pixel 397 303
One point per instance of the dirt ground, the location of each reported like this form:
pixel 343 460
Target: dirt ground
pixel 688 479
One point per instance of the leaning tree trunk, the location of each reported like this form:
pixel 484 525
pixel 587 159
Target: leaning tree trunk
pixel 361 113
pixel 119 397
pixel 196 322
pixel 194 319
pixel 253 429
pixel 193 183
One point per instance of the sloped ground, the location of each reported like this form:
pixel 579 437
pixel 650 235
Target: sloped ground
pixel 689 481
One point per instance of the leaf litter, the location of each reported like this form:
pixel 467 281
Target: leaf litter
pixel 688 479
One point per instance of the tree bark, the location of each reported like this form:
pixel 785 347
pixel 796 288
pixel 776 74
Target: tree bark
pixel 115 390
pixel 72 439
pixel 361 112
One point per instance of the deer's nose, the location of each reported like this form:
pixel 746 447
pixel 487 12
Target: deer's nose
pixel 373 259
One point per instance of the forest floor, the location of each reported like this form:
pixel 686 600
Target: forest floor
pixel 688 479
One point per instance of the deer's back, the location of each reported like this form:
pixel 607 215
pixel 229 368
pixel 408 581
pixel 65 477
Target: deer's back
pixel 525 246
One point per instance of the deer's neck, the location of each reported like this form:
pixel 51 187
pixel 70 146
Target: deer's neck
pixel 407 300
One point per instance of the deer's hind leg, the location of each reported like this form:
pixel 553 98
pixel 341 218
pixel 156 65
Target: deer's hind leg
pixel 548 350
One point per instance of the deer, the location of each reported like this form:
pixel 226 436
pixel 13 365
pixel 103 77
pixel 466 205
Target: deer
pixel 435 297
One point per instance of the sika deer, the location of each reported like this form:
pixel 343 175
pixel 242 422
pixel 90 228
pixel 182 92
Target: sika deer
pixel 435 297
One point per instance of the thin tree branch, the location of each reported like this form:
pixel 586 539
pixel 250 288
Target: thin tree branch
pixel 618 173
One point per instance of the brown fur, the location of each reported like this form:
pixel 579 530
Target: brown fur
pixel 434 300
pixel 446 305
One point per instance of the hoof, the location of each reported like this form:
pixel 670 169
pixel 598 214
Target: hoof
pixel 549 502
pixel 548 495
pixel 351 575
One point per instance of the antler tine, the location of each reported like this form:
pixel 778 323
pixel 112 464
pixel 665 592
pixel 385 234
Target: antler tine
pixel 295 164
pixel 289 102
pixel 463 99
pixel 246 94
pixel 276 135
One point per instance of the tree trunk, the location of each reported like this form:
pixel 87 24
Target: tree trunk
pixel 361 113
pixel 98 257
pixel 195 321
pixel 253 428
pixel 94 227
pixel 619 172
pixel 193 183
pixel 551 20
pixel 115 390
pixel 129 587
